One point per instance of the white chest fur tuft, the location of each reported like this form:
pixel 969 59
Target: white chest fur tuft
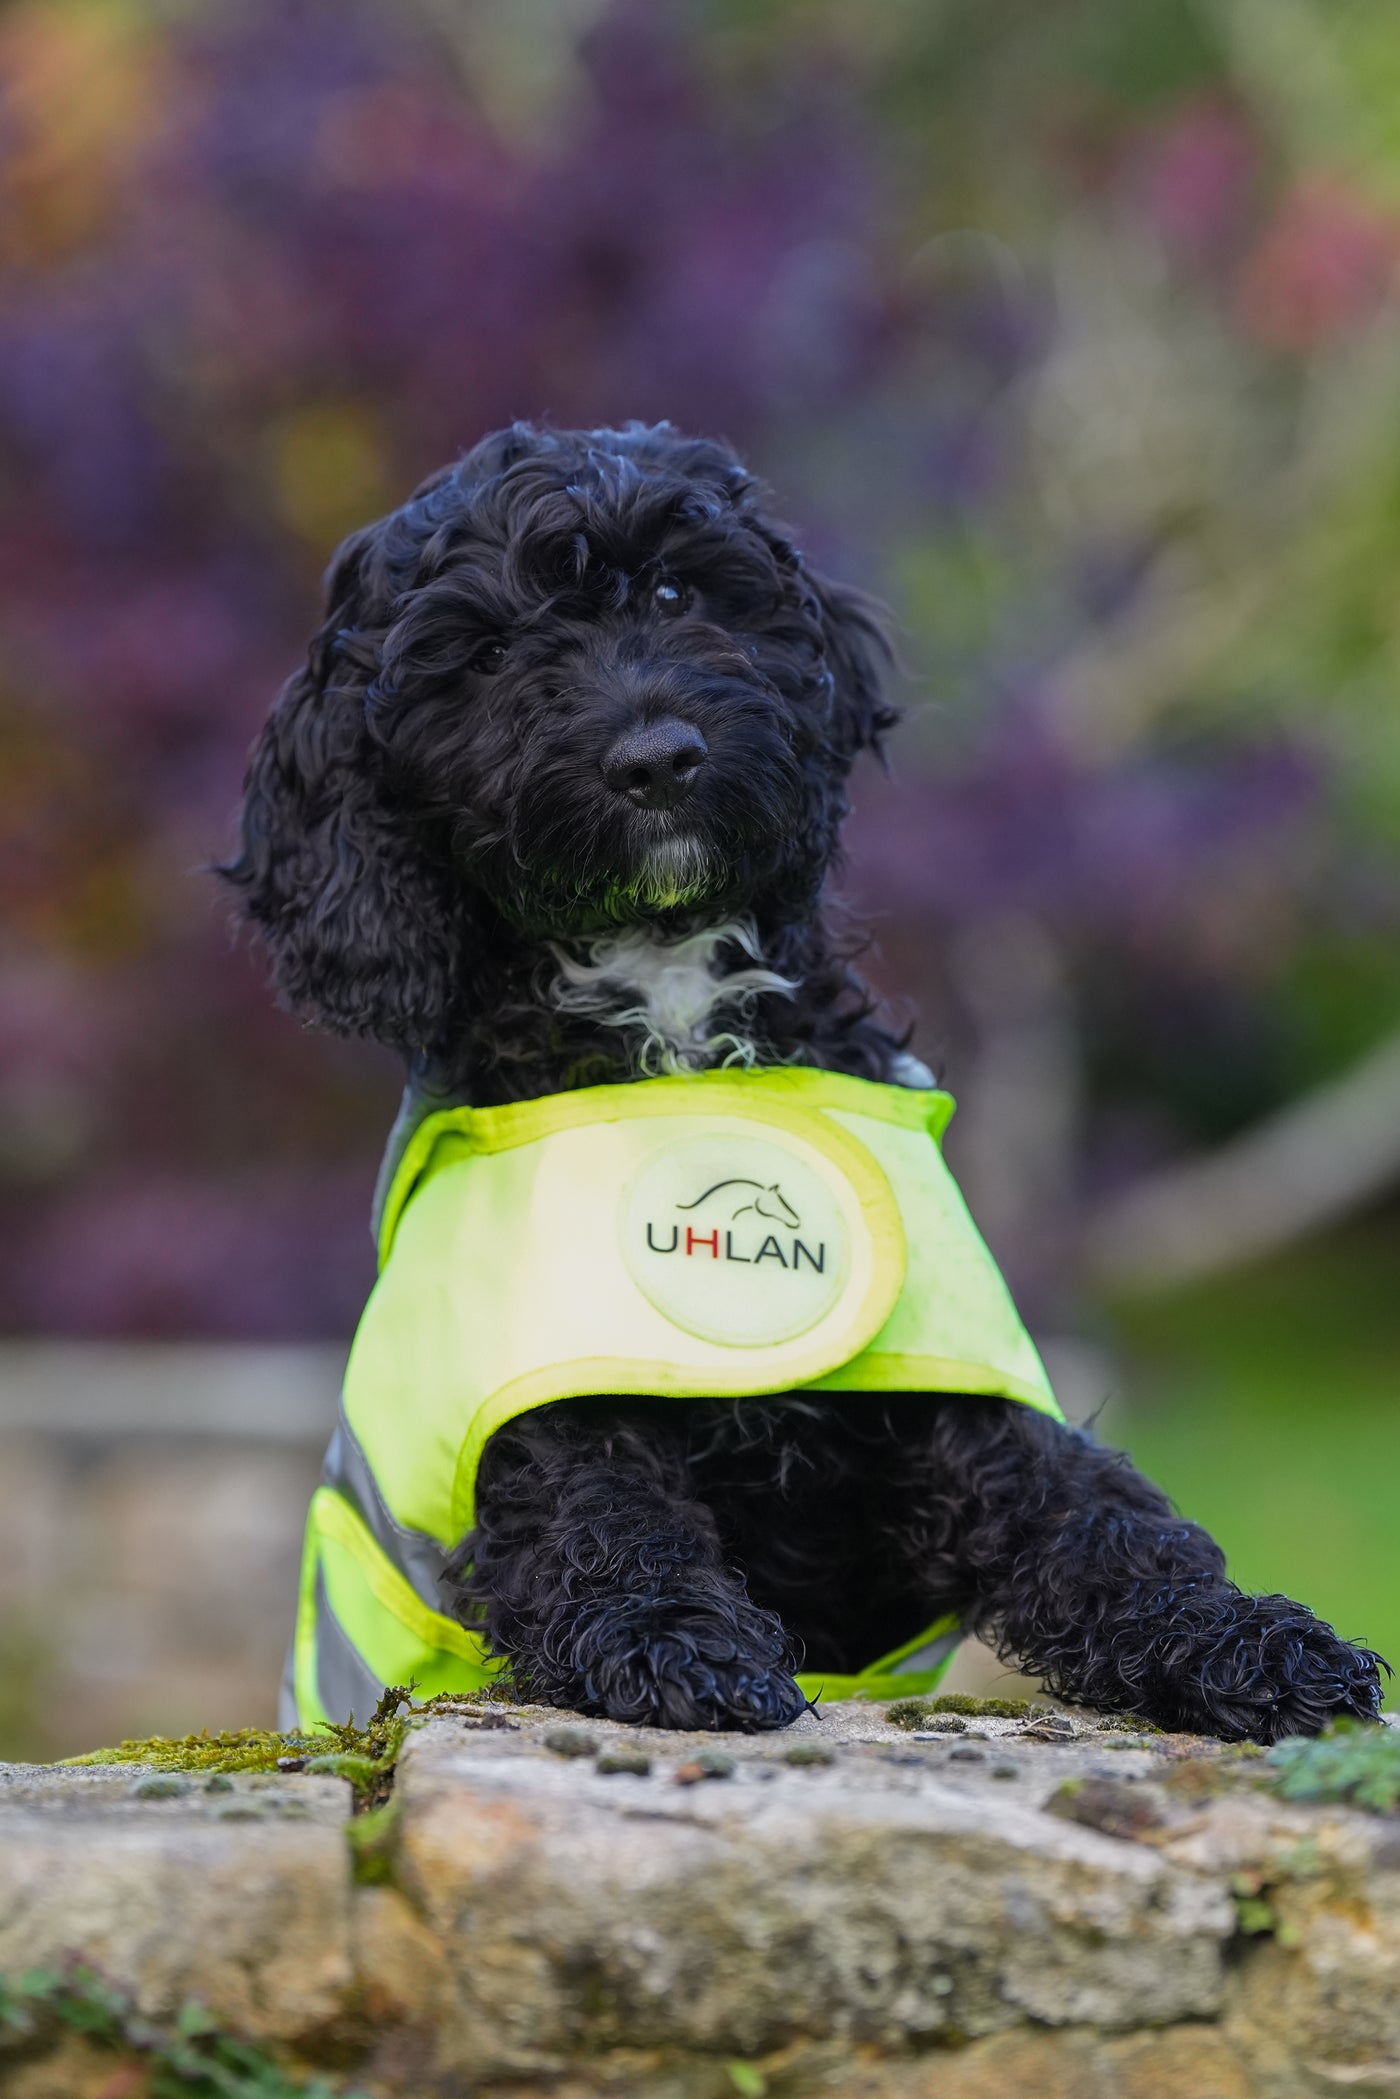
pixel 665 995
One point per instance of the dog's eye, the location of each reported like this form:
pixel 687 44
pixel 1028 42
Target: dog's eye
pixel 487 656
pixel 669 597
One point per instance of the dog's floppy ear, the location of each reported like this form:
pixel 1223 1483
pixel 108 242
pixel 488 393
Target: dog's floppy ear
pixel 858 656
pixel 364 933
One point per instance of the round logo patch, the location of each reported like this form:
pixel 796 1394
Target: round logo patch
pixel 739 1238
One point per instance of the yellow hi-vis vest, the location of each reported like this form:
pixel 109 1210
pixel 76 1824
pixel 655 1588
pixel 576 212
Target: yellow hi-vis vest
pixel 727 1233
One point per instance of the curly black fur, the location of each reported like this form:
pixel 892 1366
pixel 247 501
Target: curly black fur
pixel 432 818
pixel 426 807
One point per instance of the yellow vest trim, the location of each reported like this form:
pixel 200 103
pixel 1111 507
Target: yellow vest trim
pixel 784 1102
pixel 334 1518
pixel 437 1647
pixel 310 1711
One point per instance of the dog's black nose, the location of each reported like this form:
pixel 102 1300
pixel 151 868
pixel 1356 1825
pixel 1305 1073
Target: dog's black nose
pixel 655 766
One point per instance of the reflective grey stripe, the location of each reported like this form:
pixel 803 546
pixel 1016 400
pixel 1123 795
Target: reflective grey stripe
pixel 348 1688
pixel 420 1100
pixel 417 1557
pixel 931 1654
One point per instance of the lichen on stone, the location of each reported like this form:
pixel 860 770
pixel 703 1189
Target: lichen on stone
pixel 621 1761
pixel 571 1741
pixel 163 1786
pixel 1113 1806
pixel 706 1763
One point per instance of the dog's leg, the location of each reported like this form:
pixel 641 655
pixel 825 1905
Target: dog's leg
pixel 1077 1568
pixel 597 1574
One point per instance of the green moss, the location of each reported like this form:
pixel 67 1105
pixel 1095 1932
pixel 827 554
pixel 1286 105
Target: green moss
pixel 706 1763
pixel 803 1753
pixel 236 1749
pixel 624 1762
pixel 571 1741
pixel 364 1755
pixel 374 1838
pixel 1352 1761
pixel 164 1787
pixel 927 1712
pixel 193 2059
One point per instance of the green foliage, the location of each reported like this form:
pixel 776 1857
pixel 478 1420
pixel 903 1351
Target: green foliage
pixel 1352 1761
pixel 194 2059
pixel 1229 1422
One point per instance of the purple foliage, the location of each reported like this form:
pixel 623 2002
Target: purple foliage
pixel 324 213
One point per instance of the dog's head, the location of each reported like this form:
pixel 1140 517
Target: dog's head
pixel 579 680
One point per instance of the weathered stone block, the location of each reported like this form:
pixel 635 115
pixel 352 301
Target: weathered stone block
pixel 1064 1910
pixel 581 1910
pixel 238 1897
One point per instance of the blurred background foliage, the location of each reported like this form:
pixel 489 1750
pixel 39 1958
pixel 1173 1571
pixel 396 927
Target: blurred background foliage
pixel 1069 326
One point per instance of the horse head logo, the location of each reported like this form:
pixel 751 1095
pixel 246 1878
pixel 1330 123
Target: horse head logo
pixel 768 1201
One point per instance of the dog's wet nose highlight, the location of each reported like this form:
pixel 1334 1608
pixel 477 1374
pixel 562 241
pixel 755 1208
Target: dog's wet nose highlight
pixel 655 765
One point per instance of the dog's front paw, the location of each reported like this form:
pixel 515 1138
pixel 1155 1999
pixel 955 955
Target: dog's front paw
pixel 670 1687
pixel 1257 1668
pixel 683 1670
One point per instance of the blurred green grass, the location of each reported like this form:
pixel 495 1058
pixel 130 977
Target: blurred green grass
pixel 1266 1405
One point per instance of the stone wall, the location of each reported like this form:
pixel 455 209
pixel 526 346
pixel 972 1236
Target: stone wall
pixel 151 1509
pixel 961 1909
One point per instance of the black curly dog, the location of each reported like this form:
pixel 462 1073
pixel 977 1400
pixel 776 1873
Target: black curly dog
pixel 580 711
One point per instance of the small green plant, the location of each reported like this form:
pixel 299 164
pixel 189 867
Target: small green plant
pixel 194 2059
pixel 1255 1915
pixel 1351 1761
pixel 373 1839
pixel 1255 1894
